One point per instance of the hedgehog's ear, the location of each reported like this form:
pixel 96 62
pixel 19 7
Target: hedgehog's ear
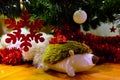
pixel 71 52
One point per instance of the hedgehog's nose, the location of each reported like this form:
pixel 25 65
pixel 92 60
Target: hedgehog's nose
pixel 95 59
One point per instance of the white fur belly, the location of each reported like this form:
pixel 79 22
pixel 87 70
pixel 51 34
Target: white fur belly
pixel 60 66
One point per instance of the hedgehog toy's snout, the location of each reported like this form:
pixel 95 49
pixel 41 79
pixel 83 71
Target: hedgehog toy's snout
pixel 95 59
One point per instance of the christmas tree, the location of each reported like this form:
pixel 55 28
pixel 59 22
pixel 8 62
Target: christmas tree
pixel 56 11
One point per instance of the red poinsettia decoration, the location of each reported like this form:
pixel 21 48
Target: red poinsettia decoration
pixel 58 38
pixel 24 21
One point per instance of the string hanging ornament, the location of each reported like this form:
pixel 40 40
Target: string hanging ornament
pixel 79 16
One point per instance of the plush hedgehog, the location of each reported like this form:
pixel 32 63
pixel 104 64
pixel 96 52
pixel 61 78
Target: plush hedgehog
pixel 74 63
pixel 69 58
pixel 35 50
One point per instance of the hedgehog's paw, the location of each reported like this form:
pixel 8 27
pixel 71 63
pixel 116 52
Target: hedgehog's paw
pixel 70 71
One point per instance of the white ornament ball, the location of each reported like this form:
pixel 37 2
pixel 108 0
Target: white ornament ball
pixel 80 16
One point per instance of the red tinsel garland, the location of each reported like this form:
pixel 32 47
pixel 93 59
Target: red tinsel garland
pixel 107 48
pixel 10 56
